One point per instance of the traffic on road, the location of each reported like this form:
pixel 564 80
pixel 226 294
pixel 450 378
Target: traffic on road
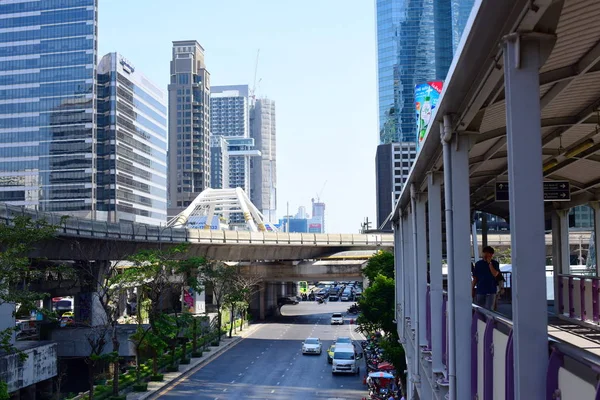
pixel 288 358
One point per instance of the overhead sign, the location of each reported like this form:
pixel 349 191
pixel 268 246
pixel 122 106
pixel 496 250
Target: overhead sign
pixel 553 191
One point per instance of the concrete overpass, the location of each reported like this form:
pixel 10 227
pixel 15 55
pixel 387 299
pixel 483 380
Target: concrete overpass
pixel 85 239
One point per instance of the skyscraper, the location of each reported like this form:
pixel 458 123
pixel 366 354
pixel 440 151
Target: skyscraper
pixel 263 190
pixel 416 41
pixel 317 222
pixel 132 144
pixel 189 125
pixel 229 112
pixel 47 114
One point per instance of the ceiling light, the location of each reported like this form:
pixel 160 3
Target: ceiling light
pixel 550 164
pixel 580 148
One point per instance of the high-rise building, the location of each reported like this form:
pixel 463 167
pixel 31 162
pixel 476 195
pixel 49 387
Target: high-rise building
pixel 189 125
pixel 240 151
pixel 132 144
pixel 416 41
pixel 48 62
pixel 318 216
pixel 219 162
pixel 229 111
pixel 393 162
pixel 263 189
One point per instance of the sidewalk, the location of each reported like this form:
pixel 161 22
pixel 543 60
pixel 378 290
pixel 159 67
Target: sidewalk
pixel 172 378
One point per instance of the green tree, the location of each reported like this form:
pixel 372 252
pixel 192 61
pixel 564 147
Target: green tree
pixel 381 263
pixel 377 306
pixel 18 239
pixel 220 277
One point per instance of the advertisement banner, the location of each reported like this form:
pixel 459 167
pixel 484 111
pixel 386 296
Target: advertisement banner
pixel 426 99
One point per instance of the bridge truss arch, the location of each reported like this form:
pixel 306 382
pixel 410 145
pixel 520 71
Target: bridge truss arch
pixel 222 203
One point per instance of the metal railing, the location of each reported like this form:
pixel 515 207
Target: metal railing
pixel 80 227
pixel 570 373
pixel 578 297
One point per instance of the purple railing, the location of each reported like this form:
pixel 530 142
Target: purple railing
pixel 581 297
pixel 495 322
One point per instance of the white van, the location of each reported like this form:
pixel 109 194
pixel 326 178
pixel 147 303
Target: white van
pixel 345 359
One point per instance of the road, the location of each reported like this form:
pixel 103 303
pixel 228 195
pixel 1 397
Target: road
pixel 268 364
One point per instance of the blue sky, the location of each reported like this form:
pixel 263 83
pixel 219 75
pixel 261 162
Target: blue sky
pixel 317 61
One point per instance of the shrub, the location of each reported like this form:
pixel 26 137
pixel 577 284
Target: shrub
pixel 184 361
pixel 140 387
pixel 197 354
pixel 172 368
pixel 157 378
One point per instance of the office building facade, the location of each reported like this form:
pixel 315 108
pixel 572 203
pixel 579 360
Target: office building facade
pixel 416 42
pixel 392 166
pixel 318 216
pixel 219 162
pixel 229 108
pixel 48 57
pixel 263 189
pixel 189 125
pixel 132 145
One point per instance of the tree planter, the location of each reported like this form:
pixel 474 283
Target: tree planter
pixel 197 354
pixel 172 368
pixel 157 378
pixel 140 387
pixel 215 343
pixel 184 361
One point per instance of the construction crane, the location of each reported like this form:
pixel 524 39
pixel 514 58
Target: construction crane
pixel 253 90
pixel 320 192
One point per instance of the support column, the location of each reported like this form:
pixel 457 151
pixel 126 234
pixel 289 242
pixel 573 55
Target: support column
pixel 261 301
pixel 526 202
pixel 484 230
pixel 561 253
pixel 421 265
pixel 459 272
pixel 434 203
pixel 408 297
pixel 596 206
pixel 417 322
pixel 398 303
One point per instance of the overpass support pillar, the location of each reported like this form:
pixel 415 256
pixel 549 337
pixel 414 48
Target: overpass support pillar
pixel 522 60
pixel 261 301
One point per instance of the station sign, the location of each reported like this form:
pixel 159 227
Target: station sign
pixel 553 191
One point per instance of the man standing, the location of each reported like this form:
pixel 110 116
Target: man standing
pixel 485 279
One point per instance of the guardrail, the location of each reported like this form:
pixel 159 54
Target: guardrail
pixel 578 297
pixel 570 373
pixel 74 226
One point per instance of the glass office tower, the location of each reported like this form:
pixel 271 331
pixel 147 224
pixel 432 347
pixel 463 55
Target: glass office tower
pixel 416 41
pixel 132 144
pixel 47 115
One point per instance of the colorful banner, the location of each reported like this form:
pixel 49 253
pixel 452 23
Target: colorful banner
pixel 426 99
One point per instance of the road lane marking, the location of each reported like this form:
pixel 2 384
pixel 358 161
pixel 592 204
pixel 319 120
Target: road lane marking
pixel 225 389
pixel 277 383
pixel 273 391
pixel 282 376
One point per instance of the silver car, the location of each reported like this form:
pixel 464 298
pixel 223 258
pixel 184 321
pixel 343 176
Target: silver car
pixel 311 346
